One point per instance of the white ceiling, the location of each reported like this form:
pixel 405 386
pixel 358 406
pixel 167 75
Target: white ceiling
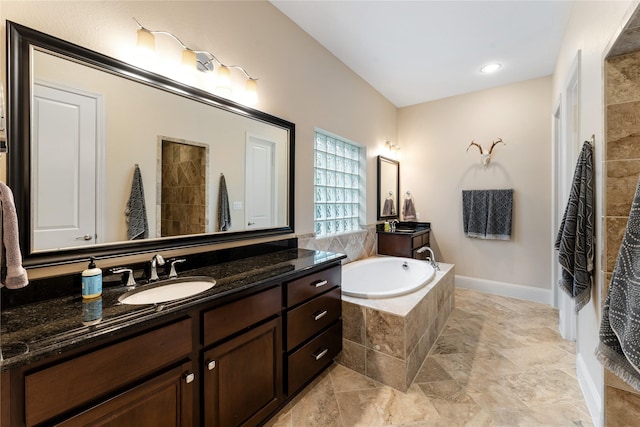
pixel 418 51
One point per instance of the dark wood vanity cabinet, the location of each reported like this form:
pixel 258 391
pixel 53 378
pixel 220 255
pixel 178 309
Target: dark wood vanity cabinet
pixel 242 375
pixel 146 376
pixel 314 325
pixel 233 364
pixel 403 244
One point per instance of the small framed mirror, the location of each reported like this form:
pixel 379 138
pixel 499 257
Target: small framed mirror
pixel 388 188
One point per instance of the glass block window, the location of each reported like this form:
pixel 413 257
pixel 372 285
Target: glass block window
pixel 339 178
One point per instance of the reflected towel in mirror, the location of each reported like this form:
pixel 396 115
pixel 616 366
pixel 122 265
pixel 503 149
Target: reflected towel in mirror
pixel 136 211
pixel 224 213
pixel 14 276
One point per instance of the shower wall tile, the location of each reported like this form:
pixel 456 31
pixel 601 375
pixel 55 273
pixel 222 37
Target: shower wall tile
pixel 622 97
pixel 621 182
pixel 615 227
pixel 623 78
pixel 623 131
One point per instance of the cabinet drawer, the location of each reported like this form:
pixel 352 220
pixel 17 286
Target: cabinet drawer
pixel 314 356
pixel 311 317
pixel 70 384
pixel 314 284
pixel 225 321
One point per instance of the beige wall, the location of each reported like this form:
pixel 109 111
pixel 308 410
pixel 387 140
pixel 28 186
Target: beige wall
pixel 436 168
pixel 298 79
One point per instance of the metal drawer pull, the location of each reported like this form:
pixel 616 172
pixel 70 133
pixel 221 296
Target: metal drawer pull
pixel 320 283
pixel 85 237
pixel 211 365
pixel 320 315
pixel 320 355
pixel 189 377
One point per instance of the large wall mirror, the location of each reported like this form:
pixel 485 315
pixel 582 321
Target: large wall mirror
pixel 107 159
pixel 388 188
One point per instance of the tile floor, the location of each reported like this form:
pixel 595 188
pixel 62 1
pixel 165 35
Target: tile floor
pixel 498 362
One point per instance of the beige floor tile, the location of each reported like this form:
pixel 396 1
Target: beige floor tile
pixel 498 362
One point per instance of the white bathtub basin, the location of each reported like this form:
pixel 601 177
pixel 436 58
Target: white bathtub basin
pixel 167 290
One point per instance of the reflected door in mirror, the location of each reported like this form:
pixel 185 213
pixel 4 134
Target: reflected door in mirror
pixel 65 152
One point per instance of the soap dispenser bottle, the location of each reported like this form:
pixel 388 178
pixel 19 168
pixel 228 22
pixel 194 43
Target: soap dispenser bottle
pixel 91 281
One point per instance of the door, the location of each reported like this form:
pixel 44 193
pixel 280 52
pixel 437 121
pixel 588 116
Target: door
pixel 65 146
pixel 566 150
pixel 261 183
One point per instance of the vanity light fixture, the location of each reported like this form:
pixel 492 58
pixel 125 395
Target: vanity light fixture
pixel 200 60
pixel 490 68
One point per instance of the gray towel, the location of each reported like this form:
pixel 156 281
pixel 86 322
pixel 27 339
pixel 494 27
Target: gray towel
pixel 487 214
pixel 389 208
pixel 619 348
pixel 576 238
pixel 136 211
pixel 224 214
pixel 408 210
pixel 15 276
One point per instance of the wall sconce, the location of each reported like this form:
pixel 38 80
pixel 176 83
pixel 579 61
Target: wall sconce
pixel 392 148
pixel 200 60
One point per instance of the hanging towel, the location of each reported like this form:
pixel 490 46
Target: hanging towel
pixel 136 212
pixel 487 214
pixel 408 210
pixel 619 348
pixel 224 214
pixel 15 275
pixel 576 240
pixel 389 208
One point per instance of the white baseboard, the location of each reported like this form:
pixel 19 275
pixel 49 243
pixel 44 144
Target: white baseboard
pixel 590 391
pixel 504 289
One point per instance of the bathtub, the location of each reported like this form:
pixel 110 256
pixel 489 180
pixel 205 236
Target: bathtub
pixel 385 277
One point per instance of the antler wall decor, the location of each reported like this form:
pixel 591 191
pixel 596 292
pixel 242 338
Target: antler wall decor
pixel 486 157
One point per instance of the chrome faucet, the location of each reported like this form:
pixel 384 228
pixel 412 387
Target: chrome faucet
pixel 393 224
pixel 173 273
pixel 431 258
pixel 131 282
pixel 155 262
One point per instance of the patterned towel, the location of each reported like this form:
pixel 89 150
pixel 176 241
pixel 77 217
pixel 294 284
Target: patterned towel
pixel 136 211
pixel 576 238
pixel 487 214
pixel 619 348
pixel 224 214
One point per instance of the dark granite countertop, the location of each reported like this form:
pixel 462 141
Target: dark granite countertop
pixel 34 331
pixel 406 228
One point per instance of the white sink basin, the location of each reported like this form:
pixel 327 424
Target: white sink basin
pixel 167 290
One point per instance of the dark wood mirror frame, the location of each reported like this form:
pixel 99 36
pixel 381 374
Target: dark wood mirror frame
pixel 388 183
pixel 19 42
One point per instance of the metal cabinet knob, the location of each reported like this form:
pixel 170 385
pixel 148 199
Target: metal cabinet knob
pixel 211 365
pixel 189 377
pixel 85 237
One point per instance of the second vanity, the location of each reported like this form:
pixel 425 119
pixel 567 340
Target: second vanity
pixel 232 355
pixel 405 241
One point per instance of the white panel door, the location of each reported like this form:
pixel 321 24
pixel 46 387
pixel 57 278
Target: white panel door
pixel 64 140
pixel 261 183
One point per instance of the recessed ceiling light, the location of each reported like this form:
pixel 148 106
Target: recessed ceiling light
pixel 491 68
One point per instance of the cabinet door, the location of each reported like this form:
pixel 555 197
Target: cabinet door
pixel 164 401
pixel 243 377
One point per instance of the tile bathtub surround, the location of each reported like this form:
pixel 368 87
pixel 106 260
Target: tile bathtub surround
pixel 622 166
pixel 356 245
pixel 498 362
pixel 388 339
